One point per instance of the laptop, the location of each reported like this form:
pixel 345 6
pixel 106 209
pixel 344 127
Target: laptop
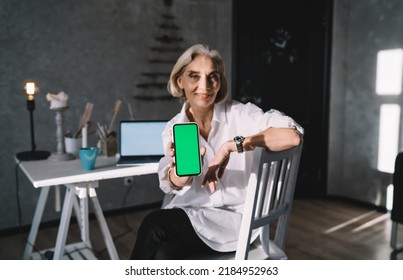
pixel 140 141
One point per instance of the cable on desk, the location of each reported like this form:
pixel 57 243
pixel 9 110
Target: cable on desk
pixel 124 204
pixel 129 228
pixel 127 224
pixel 17 188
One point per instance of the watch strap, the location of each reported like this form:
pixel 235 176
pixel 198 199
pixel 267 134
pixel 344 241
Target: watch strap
pixel 239 143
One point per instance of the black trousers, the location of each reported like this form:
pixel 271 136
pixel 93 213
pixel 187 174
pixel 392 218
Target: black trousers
pixel 167 234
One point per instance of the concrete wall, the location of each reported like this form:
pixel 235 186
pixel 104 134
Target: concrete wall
pixel 100 51
pixel 95 51
pixel 361 29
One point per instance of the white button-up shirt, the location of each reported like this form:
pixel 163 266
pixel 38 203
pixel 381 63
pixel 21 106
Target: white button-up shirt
pixel 216 217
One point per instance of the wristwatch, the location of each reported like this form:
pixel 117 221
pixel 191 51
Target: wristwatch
pixel 239 141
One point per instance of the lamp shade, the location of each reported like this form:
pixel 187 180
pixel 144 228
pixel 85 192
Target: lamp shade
pixel 30 89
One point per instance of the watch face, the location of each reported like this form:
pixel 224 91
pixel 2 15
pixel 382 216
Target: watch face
pixel 281 48
pixel 238 139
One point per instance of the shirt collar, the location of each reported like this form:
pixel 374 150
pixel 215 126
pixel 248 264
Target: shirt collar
pixel 220 111
pixel 219 115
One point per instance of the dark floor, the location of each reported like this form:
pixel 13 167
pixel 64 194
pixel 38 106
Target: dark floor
pixel 318 230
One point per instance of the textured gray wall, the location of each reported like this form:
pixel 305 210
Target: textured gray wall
pixel 361 29
pixel 96 51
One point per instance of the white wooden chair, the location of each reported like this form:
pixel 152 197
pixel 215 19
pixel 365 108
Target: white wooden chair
pixel 267 207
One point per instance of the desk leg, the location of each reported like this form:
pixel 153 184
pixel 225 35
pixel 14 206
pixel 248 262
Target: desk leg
pixel 84 225
pixel 64 223
pixel 77 212
pixel 83 192
pixel 81 213
pixel 35 223
pixel 104 229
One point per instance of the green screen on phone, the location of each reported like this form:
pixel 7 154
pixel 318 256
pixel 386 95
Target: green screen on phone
pixel 187 152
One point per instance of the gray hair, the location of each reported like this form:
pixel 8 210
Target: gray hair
pixel 185 59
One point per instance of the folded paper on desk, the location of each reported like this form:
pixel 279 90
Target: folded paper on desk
pixel 140 141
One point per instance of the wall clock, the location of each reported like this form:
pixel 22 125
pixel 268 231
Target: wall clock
pixel 280 47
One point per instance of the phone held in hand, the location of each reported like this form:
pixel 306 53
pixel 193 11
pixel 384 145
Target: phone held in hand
pixel 187 150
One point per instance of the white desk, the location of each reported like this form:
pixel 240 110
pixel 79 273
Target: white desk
pixel 45 173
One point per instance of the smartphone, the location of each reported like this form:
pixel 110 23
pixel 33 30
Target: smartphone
pixel 187 150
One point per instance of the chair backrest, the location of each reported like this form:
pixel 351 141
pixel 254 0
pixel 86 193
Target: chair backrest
pixel 397 209
pixel 269 201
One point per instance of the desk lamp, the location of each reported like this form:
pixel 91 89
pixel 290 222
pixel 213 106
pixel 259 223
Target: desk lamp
pixel 30 89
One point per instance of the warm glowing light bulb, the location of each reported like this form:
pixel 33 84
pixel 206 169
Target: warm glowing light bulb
pixel 30 89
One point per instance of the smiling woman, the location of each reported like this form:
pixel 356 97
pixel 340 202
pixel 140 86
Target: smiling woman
pixel 201 79
pixel 205 213
pixel 215 65
pixel 200 83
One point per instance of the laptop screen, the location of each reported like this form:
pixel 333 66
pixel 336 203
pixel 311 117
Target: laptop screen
pixel 141 138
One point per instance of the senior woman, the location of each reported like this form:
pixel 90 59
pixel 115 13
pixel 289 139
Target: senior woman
pixel 206 210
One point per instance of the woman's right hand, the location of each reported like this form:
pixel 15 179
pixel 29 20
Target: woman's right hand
pixel 176 181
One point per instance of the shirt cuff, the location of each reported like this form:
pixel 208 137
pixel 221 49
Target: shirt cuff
pixel 165 183
pixel 279 119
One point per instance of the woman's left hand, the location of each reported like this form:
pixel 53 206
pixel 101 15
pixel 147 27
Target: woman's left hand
pixel 217 165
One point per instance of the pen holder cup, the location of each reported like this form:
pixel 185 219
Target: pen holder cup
pixel 109 147
pixel 88 157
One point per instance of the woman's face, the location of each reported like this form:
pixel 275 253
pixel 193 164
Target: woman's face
pixel 201 82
